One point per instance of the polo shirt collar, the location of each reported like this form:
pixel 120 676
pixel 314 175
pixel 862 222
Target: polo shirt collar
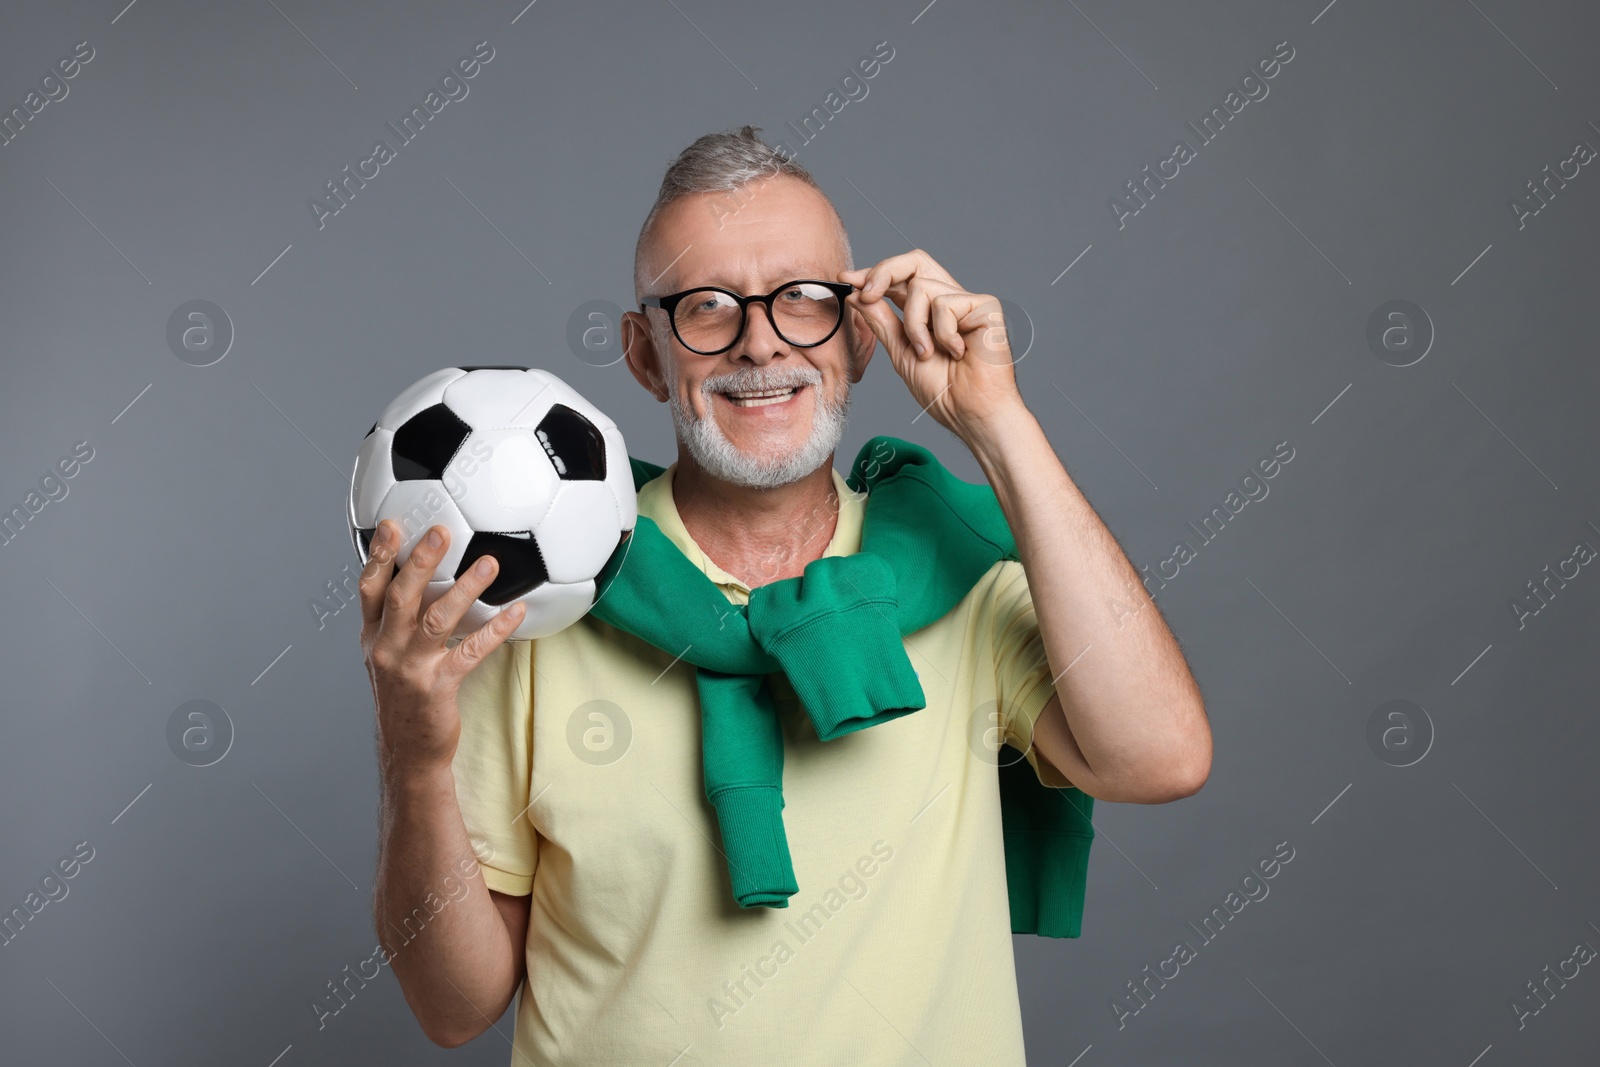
pixel 656 502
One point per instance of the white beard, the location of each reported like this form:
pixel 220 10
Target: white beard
pixel 720 458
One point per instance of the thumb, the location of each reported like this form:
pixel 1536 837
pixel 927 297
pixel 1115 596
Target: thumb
pixel 881 317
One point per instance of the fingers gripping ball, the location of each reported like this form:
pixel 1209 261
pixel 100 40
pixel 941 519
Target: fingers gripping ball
pixel 516 465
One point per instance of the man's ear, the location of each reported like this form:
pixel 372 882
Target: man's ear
pixel 639 349
pixel 862 343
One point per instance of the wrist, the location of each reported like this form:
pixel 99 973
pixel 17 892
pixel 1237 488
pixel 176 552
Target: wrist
pixel 405 780
pixel 998 438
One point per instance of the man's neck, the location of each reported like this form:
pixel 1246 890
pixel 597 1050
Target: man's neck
pixel 757 535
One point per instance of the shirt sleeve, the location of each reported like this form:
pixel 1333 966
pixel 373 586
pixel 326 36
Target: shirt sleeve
pixel 493 766
pixel 1023 679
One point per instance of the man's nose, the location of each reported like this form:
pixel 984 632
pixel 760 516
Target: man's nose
pixel 760 343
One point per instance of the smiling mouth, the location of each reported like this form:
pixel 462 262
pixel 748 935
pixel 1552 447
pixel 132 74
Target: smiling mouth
pixel 755 398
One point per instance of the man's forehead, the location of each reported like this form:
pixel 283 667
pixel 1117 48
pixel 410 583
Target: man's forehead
pixel 769 274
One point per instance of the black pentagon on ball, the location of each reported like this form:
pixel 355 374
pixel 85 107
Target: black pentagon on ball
pixel 521 570
pixel 424 446
pixel 363 540
pixel 575 445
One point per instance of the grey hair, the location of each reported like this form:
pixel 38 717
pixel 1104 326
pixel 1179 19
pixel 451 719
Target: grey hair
pixel 722 162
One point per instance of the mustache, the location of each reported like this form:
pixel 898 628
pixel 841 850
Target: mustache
pixel 757 378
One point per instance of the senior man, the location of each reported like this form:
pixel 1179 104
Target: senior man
pixel 568 770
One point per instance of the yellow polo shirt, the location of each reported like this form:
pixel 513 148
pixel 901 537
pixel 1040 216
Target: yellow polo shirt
pixel 579 778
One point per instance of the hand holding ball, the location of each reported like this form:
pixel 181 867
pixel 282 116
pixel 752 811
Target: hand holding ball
pixel 517 465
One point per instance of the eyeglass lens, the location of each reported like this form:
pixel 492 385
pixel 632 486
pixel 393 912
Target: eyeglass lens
pixel 803 314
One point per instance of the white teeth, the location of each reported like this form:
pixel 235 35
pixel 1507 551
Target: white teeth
pixel 759 398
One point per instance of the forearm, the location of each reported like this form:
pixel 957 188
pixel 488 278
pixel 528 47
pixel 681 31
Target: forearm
pixel 448 945
pixel 1131 704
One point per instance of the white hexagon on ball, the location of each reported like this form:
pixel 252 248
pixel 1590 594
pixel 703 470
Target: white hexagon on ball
pixel 502 480
pixel 577 536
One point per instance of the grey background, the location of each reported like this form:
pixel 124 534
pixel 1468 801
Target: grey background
pixel 1222 319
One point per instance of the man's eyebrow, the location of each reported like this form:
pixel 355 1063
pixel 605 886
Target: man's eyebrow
pixel 788 273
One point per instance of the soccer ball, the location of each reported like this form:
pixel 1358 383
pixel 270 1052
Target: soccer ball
pixel 516 465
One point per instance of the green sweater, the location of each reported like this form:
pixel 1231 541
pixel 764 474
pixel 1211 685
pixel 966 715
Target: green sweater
pixel 837 632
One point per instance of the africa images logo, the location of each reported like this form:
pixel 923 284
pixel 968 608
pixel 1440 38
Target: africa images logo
pixel 453 88
pixel 1251 489
pixel 1140 191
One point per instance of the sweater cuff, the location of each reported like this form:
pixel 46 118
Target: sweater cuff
pixel 753 841
pixel 871 685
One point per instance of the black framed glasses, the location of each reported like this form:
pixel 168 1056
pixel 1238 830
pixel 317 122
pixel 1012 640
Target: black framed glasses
pixel 709 320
